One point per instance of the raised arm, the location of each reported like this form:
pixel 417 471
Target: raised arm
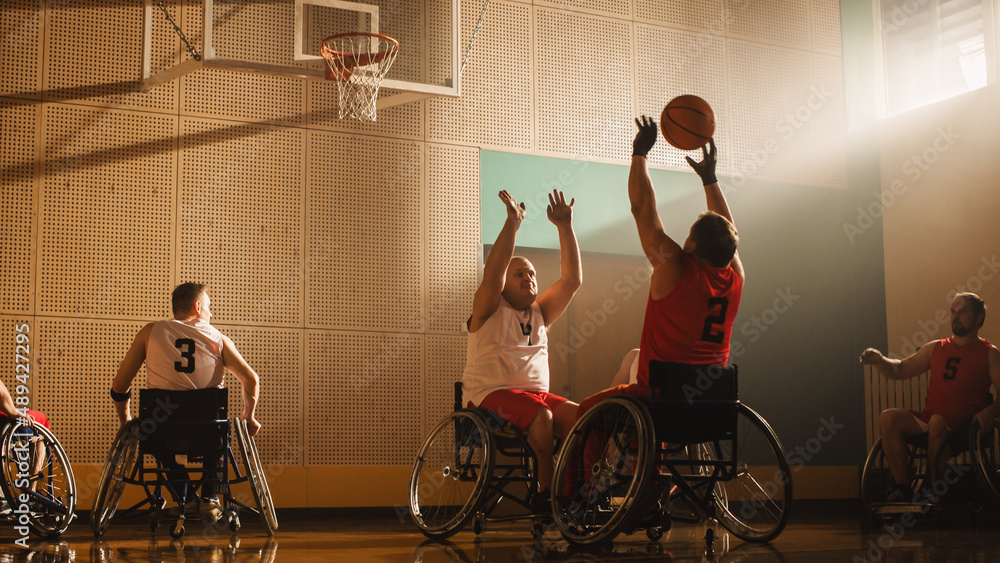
pixel 249 381
pixel 127 371
pixel 890 368
pixel 556 298
pixel 663 253
pixel 487 297
pixel 714 197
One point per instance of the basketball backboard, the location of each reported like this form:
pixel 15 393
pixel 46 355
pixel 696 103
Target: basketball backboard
pixel 282 38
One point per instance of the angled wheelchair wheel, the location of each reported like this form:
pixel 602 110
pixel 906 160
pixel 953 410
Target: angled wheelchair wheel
pixel 122 462
pixel 48 482
pixel 605 463
pixel 451 474
pixel 754 505
pixel 255 474
pixel 985 448
pixel 876 477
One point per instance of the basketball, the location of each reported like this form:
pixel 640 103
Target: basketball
pixel 687 122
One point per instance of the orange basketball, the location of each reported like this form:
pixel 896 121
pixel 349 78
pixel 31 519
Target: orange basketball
pixel 687 122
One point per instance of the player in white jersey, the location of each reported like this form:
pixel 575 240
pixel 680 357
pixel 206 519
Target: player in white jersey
pixel 507 365
pixel 186 352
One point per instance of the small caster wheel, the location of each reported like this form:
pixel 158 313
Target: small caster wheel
pixel 234 524
pixel 478 523
pixel 655 533
pixel 178 530
pixel 709 538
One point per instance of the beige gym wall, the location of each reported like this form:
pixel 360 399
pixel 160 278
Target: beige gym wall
pixel 341 256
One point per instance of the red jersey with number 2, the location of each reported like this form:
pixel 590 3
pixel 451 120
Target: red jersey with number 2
pixel 959 385
pixel 693 323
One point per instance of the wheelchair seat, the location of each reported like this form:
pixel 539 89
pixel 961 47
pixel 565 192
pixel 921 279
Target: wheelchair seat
pixel 195 424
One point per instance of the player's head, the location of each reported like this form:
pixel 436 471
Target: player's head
pixel 520 287
pixel 714 239
pixel 968 313
pixel 190 299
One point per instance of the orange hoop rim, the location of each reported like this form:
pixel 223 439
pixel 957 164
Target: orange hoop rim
pixel 332 52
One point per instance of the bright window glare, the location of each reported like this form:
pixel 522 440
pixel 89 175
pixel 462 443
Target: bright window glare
pixel 932 50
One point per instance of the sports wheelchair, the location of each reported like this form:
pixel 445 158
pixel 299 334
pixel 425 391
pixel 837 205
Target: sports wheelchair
pixel 616 467
pixel 972 450
pixel 189 423
pixel 37 481
pixel 470 462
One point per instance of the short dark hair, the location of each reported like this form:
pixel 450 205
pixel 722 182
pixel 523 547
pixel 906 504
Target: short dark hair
pixel 976 303
pixel 715 238
pixel 184 296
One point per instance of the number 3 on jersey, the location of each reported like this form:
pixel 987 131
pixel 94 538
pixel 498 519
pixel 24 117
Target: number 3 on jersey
pixel 715 319
pixel 186 347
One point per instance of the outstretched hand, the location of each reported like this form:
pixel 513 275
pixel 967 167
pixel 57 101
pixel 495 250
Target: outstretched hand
pixel 559 212
pixel 646 137
pixel 870 356
pixel 515 211
pixel 705 168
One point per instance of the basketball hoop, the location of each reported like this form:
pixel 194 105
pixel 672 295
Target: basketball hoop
pixel 358 62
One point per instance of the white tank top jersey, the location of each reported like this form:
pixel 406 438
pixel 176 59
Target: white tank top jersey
pixel 510 351
pixel 182 355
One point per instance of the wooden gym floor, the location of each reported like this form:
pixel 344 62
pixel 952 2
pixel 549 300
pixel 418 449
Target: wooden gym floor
pixel 818 532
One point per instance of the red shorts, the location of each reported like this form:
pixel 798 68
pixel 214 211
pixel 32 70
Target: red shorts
pixel 519 407
pixel 634 390
pixel 39 418
pixel 954 420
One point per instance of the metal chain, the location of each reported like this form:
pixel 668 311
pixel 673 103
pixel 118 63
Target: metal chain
pixel 475 35
pixel 192 50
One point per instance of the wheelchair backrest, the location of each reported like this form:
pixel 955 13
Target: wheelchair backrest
pixel 188 422
pixel 693 403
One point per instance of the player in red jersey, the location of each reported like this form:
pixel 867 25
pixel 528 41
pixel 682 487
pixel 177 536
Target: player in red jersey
pixel 695 288
pixel 962 369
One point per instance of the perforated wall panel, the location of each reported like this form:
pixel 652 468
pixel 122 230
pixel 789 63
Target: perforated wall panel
pixel 496 103
pixel 249 31
pixel 771 140
pixel 618 8
pixel 780 23
pixel 106 213
pixel 584 87
pixel 363 399
pixel 76 361
pixel 365 233
pixel 453 235
pixel 18 154
pixel 403 121
pixel 830 121
pixel 21 64
pixel 670 63
pixel 276 356
pixel 704 15
pixel 445 362
pixel 93 53
pixel 18 346
pixel 240 218
pixel 826 27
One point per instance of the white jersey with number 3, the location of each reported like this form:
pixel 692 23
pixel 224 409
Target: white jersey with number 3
pixel 182 355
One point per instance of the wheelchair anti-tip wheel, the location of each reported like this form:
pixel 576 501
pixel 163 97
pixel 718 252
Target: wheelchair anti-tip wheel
pixel 35 465
pixel 123 459
pixel 452 471
pixel 258 480
pixel 754 506
pixel 605 461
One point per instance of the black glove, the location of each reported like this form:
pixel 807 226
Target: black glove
pixel 705 168
pixel 645 138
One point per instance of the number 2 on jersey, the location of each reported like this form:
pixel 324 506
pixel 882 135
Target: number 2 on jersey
pixel 709 334
pixel 186 348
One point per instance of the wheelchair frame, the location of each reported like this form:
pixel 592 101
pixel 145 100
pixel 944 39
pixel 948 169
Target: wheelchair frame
pixel 620 458
pixel 126 465
pixel 457 475
pixel 50 505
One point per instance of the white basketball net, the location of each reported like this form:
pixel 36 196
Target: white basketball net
pixel 358 62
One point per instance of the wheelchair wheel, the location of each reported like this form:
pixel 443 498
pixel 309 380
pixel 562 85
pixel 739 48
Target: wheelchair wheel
pixel 876 478
pixel 985 448
pixel 122 463
pixel 754 505
pixel 49 484
pixel 605 464
pixel 255 474
pixel 451 474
